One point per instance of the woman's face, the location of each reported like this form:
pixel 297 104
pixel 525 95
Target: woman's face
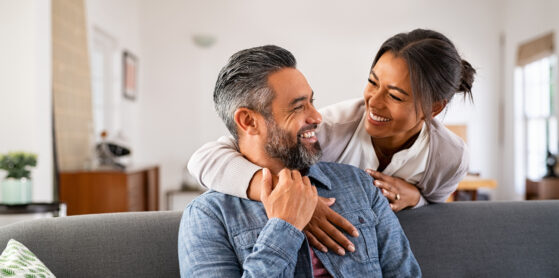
pixel 391 112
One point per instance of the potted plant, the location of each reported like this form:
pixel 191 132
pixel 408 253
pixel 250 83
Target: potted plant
pixel 17 185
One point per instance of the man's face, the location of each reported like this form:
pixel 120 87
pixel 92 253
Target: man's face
pixel 291 129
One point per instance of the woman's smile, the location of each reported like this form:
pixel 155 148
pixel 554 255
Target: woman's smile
pixel 377 120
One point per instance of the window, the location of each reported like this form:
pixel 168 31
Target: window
pixel 536 81
pixel 105 99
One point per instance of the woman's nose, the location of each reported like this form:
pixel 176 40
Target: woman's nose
pixel 376 98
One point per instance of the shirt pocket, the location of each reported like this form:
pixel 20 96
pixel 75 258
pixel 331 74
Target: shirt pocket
pixel 366 245
pixel 244 242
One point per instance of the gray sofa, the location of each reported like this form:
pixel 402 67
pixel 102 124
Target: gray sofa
pixel 461 239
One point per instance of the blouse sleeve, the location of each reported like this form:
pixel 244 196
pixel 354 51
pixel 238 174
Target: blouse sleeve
pixel 219 166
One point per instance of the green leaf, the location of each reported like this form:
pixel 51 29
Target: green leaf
pixel 15 163
pixel 21 262
pixel 27 252
pixel 27 258
pixel 16 267
pixel 30 276
pixel 7 272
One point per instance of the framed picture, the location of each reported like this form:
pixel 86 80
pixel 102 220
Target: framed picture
pixel 129 75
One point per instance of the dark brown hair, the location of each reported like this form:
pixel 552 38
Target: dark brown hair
pixel 436 69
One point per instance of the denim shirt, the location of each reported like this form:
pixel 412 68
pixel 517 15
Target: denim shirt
pixel 225 236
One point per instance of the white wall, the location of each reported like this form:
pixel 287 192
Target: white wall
pixel 523 21
pixel 25 87
pixel 334 42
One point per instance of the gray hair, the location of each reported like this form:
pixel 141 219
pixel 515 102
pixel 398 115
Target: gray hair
pixel 243 82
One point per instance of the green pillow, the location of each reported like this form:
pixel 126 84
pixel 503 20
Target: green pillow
pixel 17 261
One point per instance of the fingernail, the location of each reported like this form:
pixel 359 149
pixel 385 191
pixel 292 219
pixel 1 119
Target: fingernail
pixel 332 199
pixel 377 182
pixel 341 252
pixel 384 192
pixel 324 249
pixel 351 248
pixel 355 234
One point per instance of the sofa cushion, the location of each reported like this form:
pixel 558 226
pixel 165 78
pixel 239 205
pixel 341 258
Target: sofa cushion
pixel 16 260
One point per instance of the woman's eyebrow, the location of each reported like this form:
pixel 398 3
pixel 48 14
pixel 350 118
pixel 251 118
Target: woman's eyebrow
pixel 374 74
pixel 398 89
pixel 390 86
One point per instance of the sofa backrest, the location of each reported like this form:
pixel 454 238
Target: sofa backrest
pixel 460 239
pixel 132 244
pixel 485 239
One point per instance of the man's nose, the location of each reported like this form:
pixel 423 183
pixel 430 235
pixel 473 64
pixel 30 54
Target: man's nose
pixel 314 116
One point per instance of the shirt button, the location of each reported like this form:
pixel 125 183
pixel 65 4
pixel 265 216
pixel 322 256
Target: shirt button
pixel 361 220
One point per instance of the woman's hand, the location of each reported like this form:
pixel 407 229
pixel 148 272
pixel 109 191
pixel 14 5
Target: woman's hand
pixel 399 193
pixel 322 232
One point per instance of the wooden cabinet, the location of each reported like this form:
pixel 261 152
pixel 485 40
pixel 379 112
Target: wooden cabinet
pixel 99 191
pixel 544 189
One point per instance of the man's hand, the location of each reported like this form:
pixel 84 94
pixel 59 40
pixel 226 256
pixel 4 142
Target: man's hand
pixel 322 232
pixel 399 193
pixel 293 199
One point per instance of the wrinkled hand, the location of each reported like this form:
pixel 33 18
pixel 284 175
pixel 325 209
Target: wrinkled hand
pixel 322 232
pixel 399 193
pixel 293 199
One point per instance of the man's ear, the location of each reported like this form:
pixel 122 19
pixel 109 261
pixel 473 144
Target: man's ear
pixel 247 121
pixel 438 107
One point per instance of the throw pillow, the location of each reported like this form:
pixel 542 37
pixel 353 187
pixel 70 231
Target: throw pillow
pixel 17 261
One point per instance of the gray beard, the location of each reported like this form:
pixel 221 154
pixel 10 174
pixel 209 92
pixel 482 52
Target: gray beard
pixel 294 156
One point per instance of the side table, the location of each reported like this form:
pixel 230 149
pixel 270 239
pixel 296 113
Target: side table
pixel 14 213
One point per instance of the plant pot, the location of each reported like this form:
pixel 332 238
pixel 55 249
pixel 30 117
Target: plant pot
pixel 16 191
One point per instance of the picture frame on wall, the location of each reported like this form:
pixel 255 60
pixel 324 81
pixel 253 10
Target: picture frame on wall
pixel 129 75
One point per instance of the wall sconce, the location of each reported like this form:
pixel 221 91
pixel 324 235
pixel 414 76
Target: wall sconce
pixel 203 40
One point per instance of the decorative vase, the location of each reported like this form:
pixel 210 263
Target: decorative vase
pixel 16 191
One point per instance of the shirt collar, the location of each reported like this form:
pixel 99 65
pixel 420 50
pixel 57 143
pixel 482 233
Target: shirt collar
pixel 316 174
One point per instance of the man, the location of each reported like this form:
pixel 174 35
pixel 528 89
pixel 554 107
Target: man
pixel 267 105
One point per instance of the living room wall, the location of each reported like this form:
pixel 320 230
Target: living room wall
pixel 25 87
pixel 334 43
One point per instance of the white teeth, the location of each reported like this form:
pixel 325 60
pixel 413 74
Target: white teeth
pixel 378 118
pixel 307 134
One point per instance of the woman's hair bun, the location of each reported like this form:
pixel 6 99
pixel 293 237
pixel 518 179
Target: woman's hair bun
pixel 467 78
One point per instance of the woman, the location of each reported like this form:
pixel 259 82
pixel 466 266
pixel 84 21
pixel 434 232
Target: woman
pixel 391 133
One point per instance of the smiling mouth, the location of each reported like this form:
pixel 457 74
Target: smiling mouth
pixel 378 118
pixel 308 136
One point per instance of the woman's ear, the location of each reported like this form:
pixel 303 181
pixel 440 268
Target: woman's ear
pixel 438 107
pixel 246 121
